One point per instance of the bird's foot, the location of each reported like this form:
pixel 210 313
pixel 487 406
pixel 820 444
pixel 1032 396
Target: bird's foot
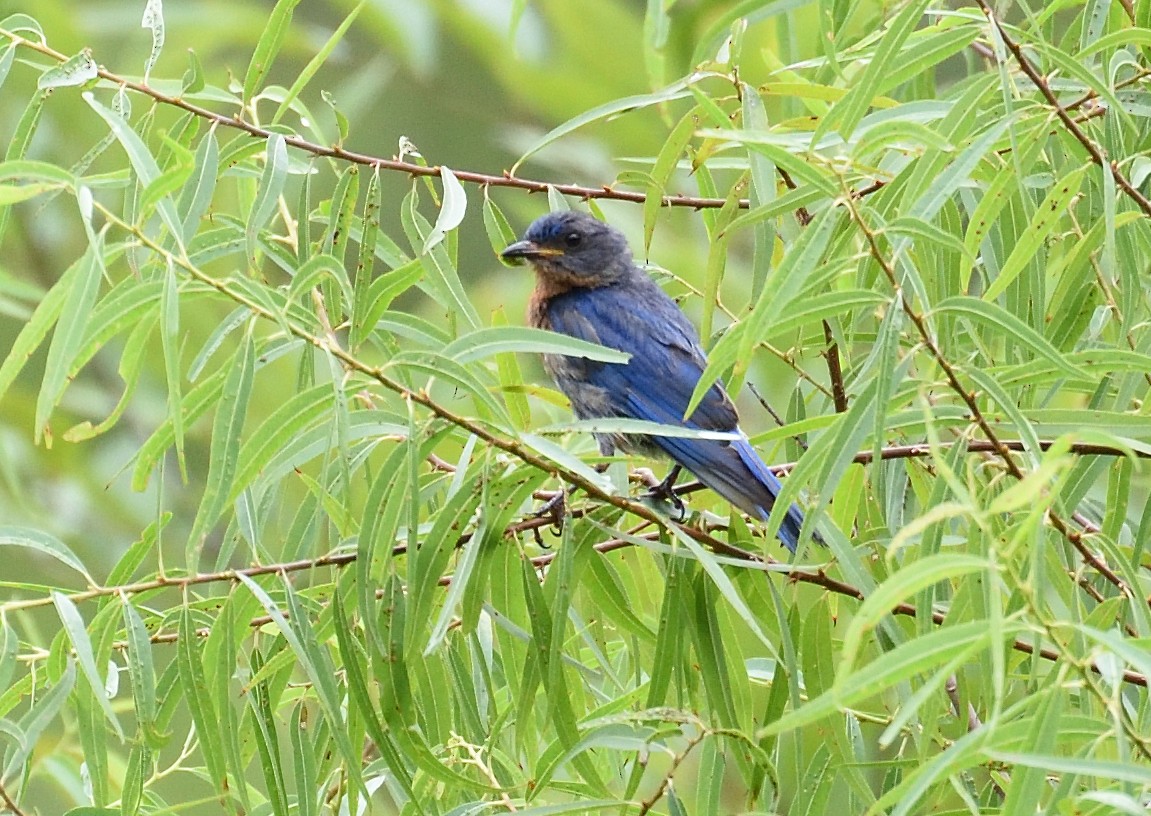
pixel 554 510
pixel 665 491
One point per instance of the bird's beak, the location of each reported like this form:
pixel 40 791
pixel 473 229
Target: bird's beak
pixel 527 251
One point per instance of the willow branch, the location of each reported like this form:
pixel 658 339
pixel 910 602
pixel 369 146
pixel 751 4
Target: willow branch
pixel 8 803
pixel 969 398
pixel 529 524
pixel 922 450
pixel 796 574
pixel 665 781
pixel 336 151
pixel 1097 154
pixel 834 369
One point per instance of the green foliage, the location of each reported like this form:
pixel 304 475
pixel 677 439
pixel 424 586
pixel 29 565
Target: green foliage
pixel 271 440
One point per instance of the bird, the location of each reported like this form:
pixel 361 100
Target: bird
pixel 589 287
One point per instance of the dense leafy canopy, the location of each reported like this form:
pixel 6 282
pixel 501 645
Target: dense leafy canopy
pixel 272 429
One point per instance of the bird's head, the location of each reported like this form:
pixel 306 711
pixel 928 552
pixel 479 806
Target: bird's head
pixel 574 249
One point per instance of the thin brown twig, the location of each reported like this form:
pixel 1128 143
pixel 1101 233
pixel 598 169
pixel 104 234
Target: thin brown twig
pixel 922 450
pixel 803 575
pixel 969 398
pixel 762 400
pixel 831 348
pixel 834 369
pixel 1098 156
pixel 983 50
pixel 337 151
pixel 186 581
pixel 8 803
pixel 1092 94
pixel 665 782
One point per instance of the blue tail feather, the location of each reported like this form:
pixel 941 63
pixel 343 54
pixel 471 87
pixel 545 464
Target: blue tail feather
pixel 793 520
pixel 735 471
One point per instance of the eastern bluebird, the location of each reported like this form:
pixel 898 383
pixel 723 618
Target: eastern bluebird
pixel 587 286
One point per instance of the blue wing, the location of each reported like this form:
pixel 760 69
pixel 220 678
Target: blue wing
pixel 656 385
pixel 666 360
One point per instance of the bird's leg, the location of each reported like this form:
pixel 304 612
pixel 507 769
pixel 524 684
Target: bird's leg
pixel 665 491
pixel 554 507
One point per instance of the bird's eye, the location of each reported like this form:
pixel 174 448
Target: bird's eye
pixel 572 239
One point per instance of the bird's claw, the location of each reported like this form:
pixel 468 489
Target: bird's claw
pixel 669 497
pixel 554 509
pixel 665 492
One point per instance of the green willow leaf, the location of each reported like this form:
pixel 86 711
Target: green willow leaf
pixel 288 421
pixel 231 412
pixel 268 192
pixel 169 336
pixel 355 665
pixel 484 343
pixel 197 195
pixel 196 403
pixel 271 40
pixel 143 674
pixel 846 114
pixel 361 299
pixel 902 585
pixel 76 70
pixel 442 277
pixel 40 715
pixel 1046 219
pixel 914 657
pixel 753 10
pixel 998 319
pixel 200 705
pixel 662 169
pixel 315 663
pixel 724 586
pixel 45 544
pixel 15 193
pixel 143 163
pixel 73 321
pixel 676 90
pixel 318 60
pixel 77 633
